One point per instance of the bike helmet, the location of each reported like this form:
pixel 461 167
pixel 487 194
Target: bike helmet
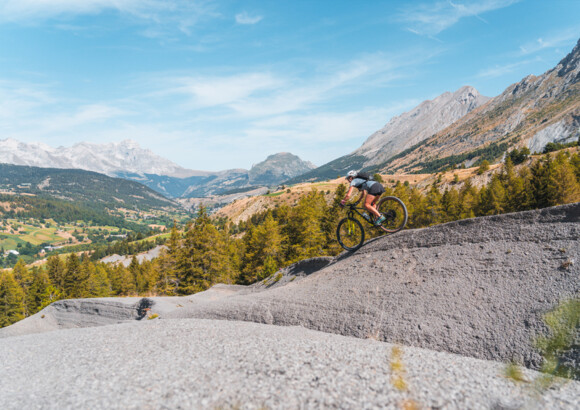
pixel 351 174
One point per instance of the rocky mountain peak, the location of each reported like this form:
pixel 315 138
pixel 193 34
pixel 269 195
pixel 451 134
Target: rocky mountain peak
pixel 423 121
pixel 571 62
pixel 278 167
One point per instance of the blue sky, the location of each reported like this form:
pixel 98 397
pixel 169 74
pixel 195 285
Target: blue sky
pixel 214 85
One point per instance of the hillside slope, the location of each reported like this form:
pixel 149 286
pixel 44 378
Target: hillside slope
pixel 476 287
pixel 81 186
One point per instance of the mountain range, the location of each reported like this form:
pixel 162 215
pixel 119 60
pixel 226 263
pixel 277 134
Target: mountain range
pixel 531 113
pixel 128 160
pixel 465 128
pixel 459 128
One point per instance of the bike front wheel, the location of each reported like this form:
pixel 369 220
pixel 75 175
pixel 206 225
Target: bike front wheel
pixel 395 213
pixel 350 234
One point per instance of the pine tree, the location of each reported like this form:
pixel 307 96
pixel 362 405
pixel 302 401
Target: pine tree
pixel 99 284
pixel 564 188
pixel 137 277
pixel 51 294
pixel 434 207
pixel 167 264
pixel 56 271
pixel 493 199
pixel 11 299
pixel 417 209
pixel 451 205
pixel 330 220
pixel 22 275
pixel 303 229
pixel 204 258
pixel 469 200
pixel 150 276
pixel 36 292
pixel 264 251
pixel 541 181
pixel 76 279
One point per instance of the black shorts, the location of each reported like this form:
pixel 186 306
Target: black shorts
pixel 376 189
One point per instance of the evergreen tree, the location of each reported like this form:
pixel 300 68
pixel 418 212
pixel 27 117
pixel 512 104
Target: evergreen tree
pixel 167 283
pixel 434 206
pixel 483 167
pixel 22 275
pixel 540 182
pixel 11 299
pixel 99 284
pixel 76 283
pixel 493 199
pixel 417 209
pixel 150 276
pixel 136 276
pixel 264 251
pixel 303 230
pixel 51 294
pixel 56 272
pixel 469 200
pixel 451 205
pixel 330 220
pixel 35 294
pixel 204 257
pixel 564 187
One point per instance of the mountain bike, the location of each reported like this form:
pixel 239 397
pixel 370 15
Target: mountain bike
pixel 350 232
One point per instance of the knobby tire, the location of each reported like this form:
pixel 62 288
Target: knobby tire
pixel 395 213
pixel 350 234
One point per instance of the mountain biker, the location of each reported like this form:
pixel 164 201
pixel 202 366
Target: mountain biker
pixel 371 189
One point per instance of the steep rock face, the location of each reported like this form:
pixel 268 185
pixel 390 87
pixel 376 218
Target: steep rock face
pixel 278 168
pixel 422 122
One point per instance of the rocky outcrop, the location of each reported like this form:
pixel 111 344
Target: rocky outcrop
pixel 477 287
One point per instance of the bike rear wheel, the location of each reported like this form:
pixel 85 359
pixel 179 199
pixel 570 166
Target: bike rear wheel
pixel 395 212
pixel 350 234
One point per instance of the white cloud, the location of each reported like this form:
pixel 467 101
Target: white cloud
pixel 432 18
pixel 552 40
pixel 214 91
pixel 245 18
pixel 164 15
pixel 499 71
pixel 16 10
pixel 84 115
pixel 18 98
pixel 261 93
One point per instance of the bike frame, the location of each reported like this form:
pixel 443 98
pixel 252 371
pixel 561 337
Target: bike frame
pixel 354 209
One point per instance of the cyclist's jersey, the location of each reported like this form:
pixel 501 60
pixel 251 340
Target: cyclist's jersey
pixel 362 184
pixel 372 187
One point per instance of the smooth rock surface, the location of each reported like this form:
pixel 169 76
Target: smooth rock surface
pixel 205 364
